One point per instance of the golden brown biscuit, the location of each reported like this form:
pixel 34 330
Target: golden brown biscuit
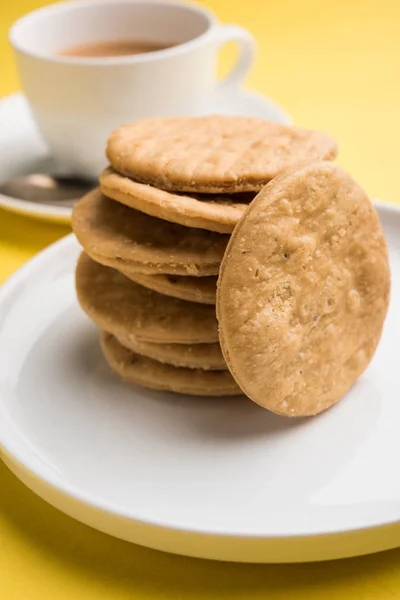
pixel 214 154
pixel 303 291
pixel 124 308
pixel 193 289
pixel 121 237
pixel 211 212
pixel 158 376
pixel 191 356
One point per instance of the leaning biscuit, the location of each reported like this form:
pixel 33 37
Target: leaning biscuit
pixel 211 212
pixel 124 308
pixel 214 154
pixel 121 237
pixel 303 291
pixel 149 373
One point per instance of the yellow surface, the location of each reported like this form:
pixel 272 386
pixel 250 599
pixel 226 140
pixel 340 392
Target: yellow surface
pixel 334 66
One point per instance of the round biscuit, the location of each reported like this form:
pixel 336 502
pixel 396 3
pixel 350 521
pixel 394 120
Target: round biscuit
pixel 206 211
pixel 155 375
pixel 213 154
pixel 121 237
pixel 303 291
pixel 124 308
pixel 191 356
pixel 193 289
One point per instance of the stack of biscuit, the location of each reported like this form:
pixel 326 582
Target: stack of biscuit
pixel 155 232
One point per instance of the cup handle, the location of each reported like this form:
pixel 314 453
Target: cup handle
pixel 247 48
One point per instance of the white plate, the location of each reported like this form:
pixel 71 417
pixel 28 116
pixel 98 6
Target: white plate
pixel 23 151
pixel 215 478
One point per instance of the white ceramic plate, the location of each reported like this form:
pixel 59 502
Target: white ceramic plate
pixel 23 151
pixel 216 478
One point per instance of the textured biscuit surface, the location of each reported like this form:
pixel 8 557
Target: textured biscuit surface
pixel 124 308
pixel 303 291
pixel 191 356
pixel 194 289
pixel 158 376
pixel 211 212
pixel 118 236
pixel 213 154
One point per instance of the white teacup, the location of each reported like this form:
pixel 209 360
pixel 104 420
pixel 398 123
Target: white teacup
pixel 78 101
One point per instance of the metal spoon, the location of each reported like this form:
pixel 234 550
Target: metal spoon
pixel 43 188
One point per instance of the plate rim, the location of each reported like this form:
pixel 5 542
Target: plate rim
pixel 13 454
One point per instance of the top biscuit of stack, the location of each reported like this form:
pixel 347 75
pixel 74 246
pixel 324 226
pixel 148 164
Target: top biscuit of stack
pixel 160 166
pixel 215 154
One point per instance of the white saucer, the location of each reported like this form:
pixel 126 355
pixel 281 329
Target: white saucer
pixel 215 478
pixel 23 151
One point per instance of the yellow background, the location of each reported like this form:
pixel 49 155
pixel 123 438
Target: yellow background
pixel 334 66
